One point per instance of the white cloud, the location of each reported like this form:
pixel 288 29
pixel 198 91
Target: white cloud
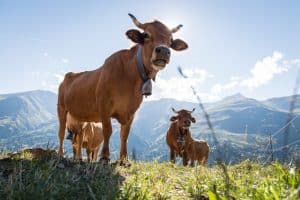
pixel 179 88
pixel 265 70
pixel 261 74
pixel 65 60
pixel 46 54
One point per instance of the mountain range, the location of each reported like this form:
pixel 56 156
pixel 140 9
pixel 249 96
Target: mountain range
pixel 241 124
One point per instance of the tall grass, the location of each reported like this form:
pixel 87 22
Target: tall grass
pixel 49 177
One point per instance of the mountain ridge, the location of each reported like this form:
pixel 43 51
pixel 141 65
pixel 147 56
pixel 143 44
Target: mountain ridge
pixel 29 119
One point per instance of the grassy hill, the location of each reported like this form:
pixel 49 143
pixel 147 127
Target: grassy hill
pixel 41 174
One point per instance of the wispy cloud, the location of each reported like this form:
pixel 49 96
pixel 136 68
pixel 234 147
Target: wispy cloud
pixel 265 70
pixel 262 73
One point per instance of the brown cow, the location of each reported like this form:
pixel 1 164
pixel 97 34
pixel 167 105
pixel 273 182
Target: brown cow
pixel 86 135
pixel 116 89
pixel 178 133
pixel 196 150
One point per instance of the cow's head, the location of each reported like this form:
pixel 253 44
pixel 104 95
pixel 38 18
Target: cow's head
pixel 156 40
pixel 183 118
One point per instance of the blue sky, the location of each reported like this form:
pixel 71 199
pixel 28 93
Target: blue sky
pixel 249 47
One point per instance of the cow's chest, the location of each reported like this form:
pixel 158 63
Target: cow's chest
pixel 126 108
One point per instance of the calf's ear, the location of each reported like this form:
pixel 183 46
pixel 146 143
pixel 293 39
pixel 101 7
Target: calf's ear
pixel 193 120
pixel 135 36
pixel 173 118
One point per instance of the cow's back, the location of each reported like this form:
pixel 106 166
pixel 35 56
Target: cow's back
pixel 77 91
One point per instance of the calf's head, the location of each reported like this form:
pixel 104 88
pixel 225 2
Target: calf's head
pixel 184 118
pixel 156 40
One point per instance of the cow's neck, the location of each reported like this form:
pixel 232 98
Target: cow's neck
pixel 182 131
pixel 146 73
pixel 151 73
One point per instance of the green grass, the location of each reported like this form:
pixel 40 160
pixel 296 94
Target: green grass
pixel 49 177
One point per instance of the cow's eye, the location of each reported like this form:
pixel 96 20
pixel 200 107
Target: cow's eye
pixel 146 36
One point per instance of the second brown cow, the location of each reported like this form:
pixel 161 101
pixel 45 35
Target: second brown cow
pixel 181 142
pixel 178 133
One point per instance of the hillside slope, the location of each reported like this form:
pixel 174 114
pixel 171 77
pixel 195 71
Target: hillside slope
pixel 43 175
pixel 26 111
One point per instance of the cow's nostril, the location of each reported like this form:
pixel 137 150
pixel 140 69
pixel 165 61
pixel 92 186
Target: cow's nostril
pixel 158 50
pixel 168 51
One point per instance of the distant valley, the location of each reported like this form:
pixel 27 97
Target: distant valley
pixel 242 125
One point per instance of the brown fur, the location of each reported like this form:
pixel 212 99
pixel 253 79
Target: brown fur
pixel 86 135
pixel 113 90
pixel 196 150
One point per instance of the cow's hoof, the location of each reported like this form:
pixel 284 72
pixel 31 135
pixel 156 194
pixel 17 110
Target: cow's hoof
pixel 80 161
pixel 125 163
pixel 104 161
pixel 60 153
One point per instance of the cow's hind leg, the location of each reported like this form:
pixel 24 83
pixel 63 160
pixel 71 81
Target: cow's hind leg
pixel 172 155
pixel 125 129
pixel 74 151
pixel 62 118
pixel 107 130
pixel 185 159
pixel 89 154
pixel 79 145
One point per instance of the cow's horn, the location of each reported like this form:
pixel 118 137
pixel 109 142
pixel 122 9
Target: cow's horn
pixel 174 110
pixel 192 110
pixel 135 21
pixel 174 30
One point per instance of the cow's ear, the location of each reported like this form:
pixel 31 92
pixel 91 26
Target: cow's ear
pixel 173 118
pixel 135 36
pixel 179 45
pixel 193 120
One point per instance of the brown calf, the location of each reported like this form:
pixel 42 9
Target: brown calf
pixel 178 133
pixel 86 135
pixel 196 150
pixel 115 90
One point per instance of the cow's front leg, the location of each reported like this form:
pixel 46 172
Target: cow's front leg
pixel 192 164
pixel 107 130
pixel 125 129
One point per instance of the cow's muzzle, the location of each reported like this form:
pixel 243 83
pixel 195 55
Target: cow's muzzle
pixel 161 56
